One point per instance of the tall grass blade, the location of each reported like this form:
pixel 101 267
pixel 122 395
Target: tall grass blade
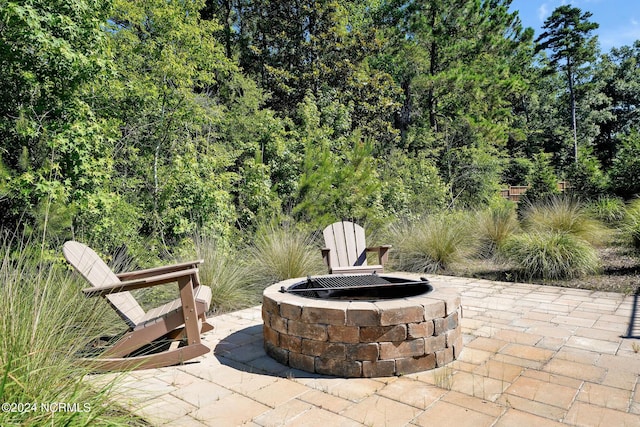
pixel 494 226
pixel 631 224
pixel 45 323
pixel 433 243
pixel 564 214
pixel 550 255
pixel 226 272
pixel 609 210
pixel 280 253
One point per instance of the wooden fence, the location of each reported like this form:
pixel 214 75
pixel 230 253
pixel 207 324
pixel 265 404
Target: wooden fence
pixel 515 192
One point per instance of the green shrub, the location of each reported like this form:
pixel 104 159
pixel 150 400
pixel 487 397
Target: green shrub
pixel 550 255
pixel 625 169
pixel 562 214
pixel 45 323
pixel 433 243
pixel 494 226
pixel 517 171
pixel 256 197
pixel 280 253
pixel 543 181
pixel 411 185
pixel 474 173
pixel 586 178
pixel 609 210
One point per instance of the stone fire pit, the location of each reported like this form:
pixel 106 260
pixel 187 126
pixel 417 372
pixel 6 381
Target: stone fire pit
pixel 362 338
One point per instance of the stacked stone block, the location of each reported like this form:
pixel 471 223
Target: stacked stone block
pixel 362 338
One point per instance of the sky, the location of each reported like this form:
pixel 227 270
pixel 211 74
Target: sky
pixel 619 19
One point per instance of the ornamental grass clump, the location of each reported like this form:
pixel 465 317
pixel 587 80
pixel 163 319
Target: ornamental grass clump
pixel 609 210
pixel 433 243
pixel 631 223
pixel 562 214
pixel 494 226
pixel 45 325
pixel 550 255
pixel 227 274
pixel 280 253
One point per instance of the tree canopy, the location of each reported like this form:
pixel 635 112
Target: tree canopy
pixel 140 123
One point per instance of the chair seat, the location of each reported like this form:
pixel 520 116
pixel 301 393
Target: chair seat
pixel 202 295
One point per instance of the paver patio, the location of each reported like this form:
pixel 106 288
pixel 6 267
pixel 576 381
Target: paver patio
pixel 534 356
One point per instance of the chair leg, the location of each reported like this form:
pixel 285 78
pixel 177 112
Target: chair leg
pixel 133 340
pixel 206 326
pixel 189 312
pixel 383 255
pixel 159 360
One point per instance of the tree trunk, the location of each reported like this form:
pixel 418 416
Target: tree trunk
pixel 403 117
pixel 433 62
pixel 227 28
pixel 572 97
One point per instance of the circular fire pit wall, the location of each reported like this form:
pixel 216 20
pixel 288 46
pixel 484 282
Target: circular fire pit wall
pixel 362 338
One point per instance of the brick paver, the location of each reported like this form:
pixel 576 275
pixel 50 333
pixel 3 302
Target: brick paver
pixel 543 392
pixel 377 410
pixel 533 356
pixel 446 414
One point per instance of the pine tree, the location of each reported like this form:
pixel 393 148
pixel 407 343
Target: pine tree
pixel 567 36
pixel 543 182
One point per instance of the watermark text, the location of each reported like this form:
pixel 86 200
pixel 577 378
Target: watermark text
pixel 22 407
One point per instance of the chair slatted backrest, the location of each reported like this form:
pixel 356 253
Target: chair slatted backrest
pixel 87 262
pixel 347 243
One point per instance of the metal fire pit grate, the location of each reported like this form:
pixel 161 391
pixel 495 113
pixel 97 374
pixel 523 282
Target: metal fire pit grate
pixel 367 287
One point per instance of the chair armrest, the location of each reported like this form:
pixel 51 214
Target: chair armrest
pixel 154 271
pixel 131 285
pixel 382 250
pixel 378 248
pixel 325 257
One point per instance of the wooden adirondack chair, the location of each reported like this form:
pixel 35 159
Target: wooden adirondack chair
pixel 346 250
pixel 183 319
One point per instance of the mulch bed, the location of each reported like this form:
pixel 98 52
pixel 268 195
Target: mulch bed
pixel 620 272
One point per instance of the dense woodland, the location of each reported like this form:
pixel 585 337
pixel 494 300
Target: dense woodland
pixel 145 122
